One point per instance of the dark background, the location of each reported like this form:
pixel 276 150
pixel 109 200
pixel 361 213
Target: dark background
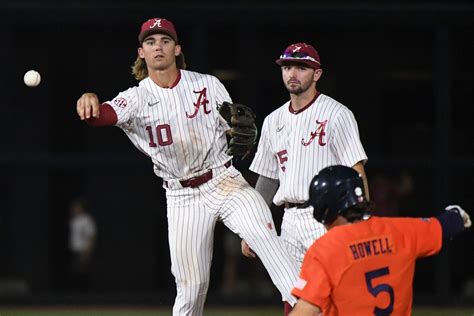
pixel 404 69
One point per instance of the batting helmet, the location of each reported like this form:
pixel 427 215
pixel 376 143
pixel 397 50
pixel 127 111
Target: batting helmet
pixel 335 189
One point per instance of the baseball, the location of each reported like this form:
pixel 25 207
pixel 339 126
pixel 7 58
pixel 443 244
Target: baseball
pixel 32 78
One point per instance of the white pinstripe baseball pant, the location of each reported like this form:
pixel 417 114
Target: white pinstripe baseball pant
pixel 192 215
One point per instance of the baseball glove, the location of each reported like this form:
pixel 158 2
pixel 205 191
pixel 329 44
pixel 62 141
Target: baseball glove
pixel 243 132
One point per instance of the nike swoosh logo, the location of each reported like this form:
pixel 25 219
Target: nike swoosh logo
pixel 153 103
pixel 279 129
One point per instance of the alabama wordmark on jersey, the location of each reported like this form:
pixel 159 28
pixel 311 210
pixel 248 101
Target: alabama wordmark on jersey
pixel 294 146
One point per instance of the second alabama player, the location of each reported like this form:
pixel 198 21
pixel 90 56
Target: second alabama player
pixel 309 132
pixel 171 117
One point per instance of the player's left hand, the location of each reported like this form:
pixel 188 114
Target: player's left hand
pixel 243 132
pixel 465 217
pixel 246 250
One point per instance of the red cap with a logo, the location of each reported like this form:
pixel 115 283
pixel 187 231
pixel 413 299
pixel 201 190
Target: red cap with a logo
pixel 157 25
pixel 302 53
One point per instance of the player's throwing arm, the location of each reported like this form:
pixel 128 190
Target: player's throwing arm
pixel 88 106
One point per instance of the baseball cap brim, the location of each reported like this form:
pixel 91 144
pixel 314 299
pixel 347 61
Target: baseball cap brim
pixel 309 63
pixel 145 34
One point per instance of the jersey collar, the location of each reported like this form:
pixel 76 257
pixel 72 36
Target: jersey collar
pixel 178 78
pixel 290 108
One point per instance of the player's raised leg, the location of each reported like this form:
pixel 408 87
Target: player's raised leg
pixel 246 213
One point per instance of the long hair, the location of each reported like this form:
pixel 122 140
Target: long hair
pixel 140 71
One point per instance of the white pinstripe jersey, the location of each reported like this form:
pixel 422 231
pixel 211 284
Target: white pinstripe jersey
pixel 179 127
pixel 294 147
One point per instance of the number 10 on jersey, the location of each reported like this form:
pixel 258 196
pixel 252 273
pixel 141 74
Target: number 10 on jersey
pixel 163 135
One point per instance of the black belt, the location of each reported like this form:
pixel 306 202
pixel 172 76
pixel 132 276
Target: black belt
pixel 291 205
pixel 203 178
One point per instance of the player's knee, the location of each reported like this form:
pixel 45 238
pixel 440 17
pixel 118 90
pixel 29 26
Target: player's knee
pixel 256 240
pixel 196 293
pixel 265 231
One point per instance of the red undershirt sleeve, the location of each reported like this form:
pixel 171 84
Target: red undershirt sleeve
pixel 107 117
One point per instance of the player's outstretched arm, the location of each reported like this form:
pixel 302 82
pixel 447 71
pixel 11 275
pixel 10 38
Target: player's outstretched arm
pixel 88 106
pixel 89 109
pixel 464 215
pixel 453 221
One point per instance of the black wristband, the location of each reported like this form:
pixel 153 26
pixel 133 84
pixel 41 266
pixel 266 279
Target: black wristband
pixel 451 223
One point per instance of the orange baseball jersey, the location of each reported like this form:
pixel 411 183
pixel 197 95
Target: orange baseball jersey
pixel 367 268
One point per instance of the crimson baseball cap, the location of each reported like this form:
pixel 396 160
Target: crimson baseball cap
pixel 157 25
pixel 302 53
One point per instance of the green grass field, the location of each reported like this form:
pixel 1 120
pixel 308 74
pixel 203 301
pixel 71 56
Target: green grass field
pixel 251 311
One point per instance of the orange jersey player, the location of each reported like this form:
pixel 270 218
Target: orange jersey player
pixel 364 265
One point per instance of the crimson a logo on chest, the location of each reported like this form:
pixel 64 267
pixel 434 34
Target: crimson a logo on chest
pixel 320 132
pixel 201 101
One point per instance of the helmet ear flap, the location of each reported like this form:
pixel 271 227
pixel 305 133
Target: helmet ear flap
pixel 342 194
pixel 324 216
pixel 320 213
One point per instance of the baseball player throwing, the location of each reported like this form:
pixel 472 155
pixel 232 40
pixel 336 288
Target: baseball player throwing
pixel 309 132
pixel 171 116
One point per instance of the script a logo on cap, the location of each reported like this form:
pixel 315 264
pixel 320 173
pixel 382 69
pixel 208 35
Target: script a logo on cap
pixel 296 49
pixel 157 23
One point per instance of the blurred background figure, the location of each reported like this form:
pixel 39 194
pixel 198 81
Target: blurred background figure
pixel 233 258
pixel 388 192
pixel 82 238
pixel 242 278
